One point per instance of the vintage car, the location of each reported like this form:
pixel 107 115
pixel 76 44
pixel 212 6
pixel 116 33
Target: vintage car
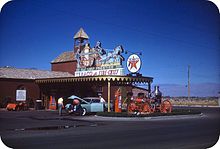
pixel 97 100
pixel 89 105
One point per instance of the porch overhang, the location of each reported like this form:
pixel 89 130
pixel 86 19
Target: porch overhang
pixel 110 80
pixel 122 79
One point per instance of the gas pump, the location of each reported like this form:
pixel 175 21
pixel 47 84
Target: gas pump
pixel 118 101
pixel 52 103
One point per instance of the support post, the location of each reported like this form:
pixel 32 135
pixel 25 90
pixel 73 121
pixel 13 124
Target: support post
pixel 188 82
pixel 149 89
pixel 109 94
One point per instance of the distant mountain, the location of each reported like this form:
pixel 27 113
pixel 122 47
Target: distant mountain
pixel 199 90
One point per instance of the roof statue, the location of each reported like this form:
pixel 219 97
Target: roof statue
pixel 98 48
pixel 81 34
pixel 96 61
pixel 98 56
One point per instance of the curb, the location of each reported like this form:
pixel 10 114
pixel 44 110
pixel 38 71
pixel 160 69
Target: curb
pixel 172 117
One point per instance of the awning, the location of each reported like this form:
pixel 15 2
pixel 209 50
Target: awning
pixel 123 79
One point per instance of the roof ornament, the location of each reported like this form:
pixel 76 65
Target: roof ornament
pixel 98 56
pixel 99 49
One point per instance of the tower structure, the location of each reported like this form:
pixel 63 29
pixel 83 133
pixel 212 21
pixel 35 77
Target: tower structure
pixel 80 39
pixel 66 61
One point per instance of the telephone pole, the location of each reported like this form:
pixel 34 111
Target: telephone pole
pixel 188 82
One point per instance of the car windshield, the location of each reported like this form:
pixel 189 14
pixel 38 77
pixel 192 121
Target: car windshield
pixel 88 100
pixel 82 102
pixel 95 101
pixel 92 100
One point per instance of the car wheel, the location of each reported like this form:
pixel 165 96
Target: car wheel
pixel 84 111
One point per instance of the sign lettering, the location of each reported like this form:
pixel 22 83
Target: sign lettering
pixel 117 72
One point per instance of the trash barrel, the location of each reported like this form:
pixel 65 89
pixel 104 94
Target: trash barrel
pixel 38 105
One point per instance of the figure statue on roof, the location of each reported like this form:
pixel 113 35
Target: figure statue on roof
pixel 99 49
pixel 108 57
pixel 78 58
pixel 98 56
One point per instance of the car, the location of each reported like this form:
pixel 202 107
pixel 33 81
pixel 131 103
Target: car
pixel 97 100
pixel 89 105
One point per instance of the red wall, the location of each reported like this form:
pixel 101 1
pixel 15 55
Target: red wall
pixel 64 67
pixel 8 88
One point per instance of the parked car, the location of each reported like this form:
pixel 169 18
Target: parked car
pixel 97 100
pixel 89 105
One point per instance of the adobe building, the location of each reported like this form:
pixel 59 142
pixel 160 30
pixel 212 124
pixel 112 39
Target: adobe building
pixel 13 80
pixel 84 71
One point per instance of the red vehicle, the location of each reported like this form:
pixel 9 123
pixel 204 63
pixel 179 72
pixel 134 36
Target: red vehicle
pixel 21 106
pixel 142 105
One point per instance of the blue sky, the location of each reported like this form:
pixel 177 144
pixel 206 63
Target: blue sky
pixel 171 34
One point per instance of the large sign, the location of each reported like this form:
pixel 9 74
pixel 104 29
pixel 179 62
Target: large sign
pixel 99 61
pixel 103 72
pixel 20 95
pixel 133 63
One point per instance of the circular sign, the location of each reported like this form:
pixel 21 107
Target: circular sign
pixel 134 63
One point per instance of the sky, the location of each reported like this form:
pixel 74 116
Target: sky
pixel 171 34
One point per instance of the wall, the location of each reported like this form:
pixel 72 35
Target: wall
pixel 64 66
pixel 8 88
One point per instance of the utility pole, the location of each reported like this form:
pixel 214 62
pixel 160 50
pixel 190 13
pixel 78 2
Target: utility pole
pixel 188 82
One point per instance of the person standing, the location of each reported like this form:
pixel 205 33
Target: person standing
pixel 60 105
pixel 102 100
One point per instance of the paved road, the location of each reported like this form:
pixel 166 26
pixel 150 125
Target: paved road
pixel 42 131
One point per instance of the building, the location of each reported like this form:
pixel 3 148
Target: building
pixel 13 79
pixel 85 71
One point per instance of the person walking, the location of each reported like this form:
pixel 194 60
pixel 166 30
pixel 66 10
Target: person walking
pixel 60 105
